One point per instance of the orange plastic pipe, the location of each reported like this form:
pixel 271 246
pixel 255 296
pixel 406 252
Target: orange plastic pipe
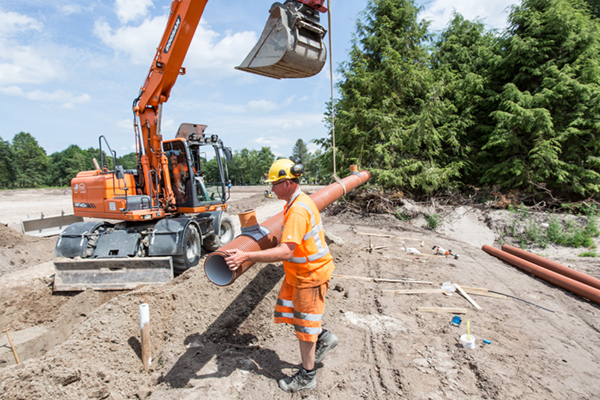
pixel 553 266
pixel 216 268
pixel 559 280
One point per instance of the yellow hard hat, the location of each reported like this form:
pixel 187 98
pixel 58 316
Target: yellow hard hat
pixel 284 169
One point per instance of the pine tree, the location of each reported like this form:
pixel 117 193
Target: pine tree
pixel 392 116
pixel 464 53
pixel 547 123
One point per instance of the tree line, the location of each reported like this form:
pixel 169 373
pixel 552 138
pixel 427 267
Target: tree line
pixel 470 107
pixel 25 164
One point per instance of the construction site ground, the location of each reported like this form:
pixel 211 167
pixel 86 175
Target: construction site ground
pixel 221 342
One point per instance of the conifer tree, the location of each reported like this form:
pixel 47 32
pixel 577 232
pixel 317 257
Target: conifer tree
pixel 547 125
pixel 391 116
pixel 464 53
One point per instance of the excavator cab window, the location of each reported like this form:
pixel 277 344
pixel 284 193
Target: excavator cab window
pixel 179 172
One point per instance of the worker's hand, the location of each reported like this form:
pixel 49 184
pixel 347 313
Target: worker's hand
pixel 235 258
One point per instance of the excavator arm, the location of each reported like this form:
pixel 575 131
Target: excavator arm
pixel 293 26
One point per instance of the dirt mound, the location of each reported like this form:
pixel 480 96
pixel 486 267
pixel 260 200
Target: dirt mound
pixel 10 237
pixel 18 251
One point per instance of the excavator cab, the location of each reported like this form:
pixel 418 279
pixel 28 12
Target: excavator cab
pixel 291 44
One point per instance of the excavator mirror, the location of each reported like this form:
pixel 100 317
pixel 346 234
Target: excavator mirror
pixel 291 44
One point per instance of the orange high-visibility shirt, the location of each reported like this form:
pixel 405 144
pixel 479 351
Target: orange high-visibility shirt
pixel 311 263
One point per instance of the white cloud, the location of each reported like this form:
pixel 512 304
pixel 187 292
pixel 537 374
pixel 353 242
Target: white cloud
pixel 64 98
pixel 440 12
pixel 139 42
pixel 23 64
pixel 129 10
pixel 70 9
pixel 261 105
pixel 217 54
pixel 11 22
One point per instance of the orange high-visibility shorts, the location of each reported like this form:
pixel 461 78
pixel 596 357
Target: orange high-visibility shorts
pixel 303 308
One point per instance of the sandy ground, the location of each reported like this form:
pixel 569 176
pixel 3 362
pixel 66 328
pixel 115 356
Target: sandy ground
pixel 213 342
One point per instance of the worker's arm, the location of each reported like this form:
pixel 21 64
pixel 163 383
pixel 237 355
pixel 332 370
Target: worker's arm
pixel 237 257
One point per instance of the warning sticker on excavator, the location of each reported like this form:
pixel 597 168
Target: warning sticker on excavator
pixel 112 206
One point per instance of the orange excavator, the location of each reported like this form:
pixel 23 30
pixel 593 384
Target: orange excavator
pixel 146 224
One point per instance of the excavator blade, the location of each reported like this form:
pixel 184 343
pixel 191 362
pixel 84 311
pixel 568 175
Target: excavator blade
pixel 111 273
pixel 291 45
pixel 48 226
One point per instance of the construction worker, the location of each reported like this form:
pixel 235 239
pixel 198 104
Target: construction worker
pixel 308 267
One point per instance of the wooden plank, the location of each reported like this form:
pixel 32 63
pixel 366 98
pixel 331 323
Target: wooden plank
pixel 414 291
pixel 362 278
pixel 467 288
pixel 443 310
pixel 466 296
pixel 401 281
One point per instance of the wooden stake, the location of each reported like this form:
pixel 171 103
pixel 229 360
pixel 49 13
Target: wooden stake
pixel 466 296
pixel 12 346
pixel 145 333
pixel 443 310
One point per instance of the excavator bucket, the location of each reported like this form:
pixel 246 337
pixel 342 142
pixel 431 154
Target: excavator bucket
pixel 48 226
pixel 291 45
pixel 111 274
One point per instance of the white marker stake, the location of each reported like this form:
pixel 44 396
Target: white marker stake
pixel 145 328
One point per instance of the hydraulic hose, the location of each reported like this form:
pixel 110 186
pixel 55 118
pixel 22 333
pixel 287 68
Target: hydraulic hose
pixel 216 268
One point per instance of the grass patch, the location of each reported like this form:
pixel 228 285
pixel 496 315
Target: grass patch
pixel 433 220
pixel 402 215
pixel 564 234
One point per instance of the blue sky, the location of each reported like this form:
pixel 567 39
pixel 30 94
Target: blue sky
pixel 70 69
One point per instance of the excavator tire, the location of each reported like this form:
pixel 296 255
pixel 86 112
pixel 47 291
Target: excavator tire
pixel 226 234
pixel 191 251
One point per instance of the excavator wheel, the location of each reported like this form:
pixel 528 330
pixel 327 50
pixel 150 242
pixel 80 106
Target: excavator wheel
pixel 226 234
pixel 191 251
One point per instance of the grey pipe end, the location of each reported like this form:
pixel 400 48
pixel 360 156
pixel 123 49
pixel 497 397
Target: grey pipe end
pixel 217 271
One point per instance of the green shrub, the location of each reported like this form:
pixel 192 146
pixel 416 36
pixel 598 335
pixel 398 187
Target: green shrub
pixel 433 220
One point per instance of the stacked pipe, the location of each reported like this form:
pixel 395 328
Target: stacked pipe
pixel 268 234
pixel 553 272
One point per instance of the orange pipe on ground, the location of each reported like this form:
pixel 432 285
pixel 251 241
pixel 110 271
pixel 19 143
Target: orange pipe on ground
pixel 553 266
pixel 216 268
pixel 559 280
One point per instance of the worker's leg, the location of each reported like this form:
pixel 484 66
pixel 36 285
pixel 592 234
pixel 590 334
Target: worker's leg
pixel 307 351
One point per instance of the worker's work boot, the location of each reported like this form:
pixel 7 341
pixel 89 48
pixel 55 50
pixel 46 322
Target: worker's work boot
pixel 325 343
pixel 302 380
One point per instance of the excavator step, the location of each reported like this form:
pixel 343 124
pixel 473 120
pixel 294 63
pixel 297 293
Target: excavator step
pixel 111 273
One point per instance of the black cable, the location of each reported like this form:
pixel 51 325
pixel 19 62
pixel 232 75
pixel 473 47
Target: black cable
pixel 524 301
